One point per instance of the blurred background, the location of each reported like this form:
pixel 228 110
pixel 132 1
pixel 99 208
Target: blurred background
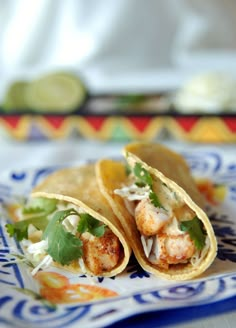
pixel 117 58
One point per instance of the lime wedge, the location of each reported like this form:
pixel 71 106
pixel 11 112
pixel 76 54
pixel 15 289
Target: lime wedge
pixel 15 96
pixel 56 92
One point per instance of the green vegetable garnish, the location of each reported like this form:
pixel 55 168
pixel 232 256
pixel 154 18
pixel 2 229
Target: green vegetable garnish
pixel 19 230
pixel 128 169
pixel 155 201
pixel 36 214
pixel 143 175
pixel 195 229
pixel 140 184
pixel 40 206
pixel 63 246
pixel 144 178
pixel 88 223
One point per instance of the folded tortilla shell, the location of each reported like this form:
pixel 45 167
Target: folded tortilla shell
pixel 78 187
pixel 172 170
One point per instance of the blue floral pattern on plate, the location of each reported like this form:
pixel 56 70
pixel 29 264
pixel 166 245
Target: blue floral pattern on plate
pixel 137 288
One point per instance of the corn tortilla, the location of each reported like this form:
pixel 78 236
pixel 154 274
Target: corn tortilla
pixel 78 186
pixel 173 171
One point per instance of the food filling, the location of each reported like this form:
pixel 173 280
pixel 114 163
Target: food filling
pixel 170 232
pixel 55 231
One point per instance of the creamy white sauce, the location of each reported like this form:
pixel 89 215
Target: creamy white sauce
pixel 133 192
pixel 172 228
pixel 130 206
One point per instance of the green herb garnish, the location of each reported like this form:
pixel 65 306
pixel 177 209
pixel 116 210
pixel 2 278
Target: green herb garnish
pixel 63 246
pixel 18 232
pixel 19 229
pixel 195 229
pixel 36 214
pixel 40 206
pixel 155 200
pixel 144 178
pixel 142 175
pixel 90 224
pixel 128 169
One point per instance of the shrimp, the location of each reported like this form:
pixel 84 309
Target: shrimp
pixel 101 254
pixel 150 219
pixel 172 249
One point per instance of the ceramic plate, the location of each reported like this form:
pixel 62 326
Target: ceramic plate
pixel 60 299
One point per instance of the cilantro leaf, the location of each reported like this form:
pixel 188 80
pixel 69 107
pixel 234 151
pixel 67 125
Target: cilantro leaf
pixel 140 184
pixel 36 214
pixel 155 200
pixel 90 224
pixel 19 233
pixel 143 175
pixel 32 211
pixel 195 229
pixel 144 178
pixel 63 246
pixel 19 229
pixel 40 206
pixel 128 169
pixel 57 219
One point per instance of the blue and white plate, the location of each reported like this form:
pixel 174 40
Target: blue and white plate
pixel 27 302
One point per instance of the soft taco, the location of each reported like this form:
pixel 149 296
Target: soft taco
pixel 160 209
pixel 68 223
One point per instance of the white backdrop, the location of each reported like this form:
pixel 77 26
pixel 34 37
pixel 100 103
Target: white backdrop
pixel 117 44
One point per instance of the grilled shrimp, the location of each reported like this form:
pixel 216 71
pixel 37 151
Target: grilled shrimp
pixel 172 249
pixel 101 254
pixel 150 219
